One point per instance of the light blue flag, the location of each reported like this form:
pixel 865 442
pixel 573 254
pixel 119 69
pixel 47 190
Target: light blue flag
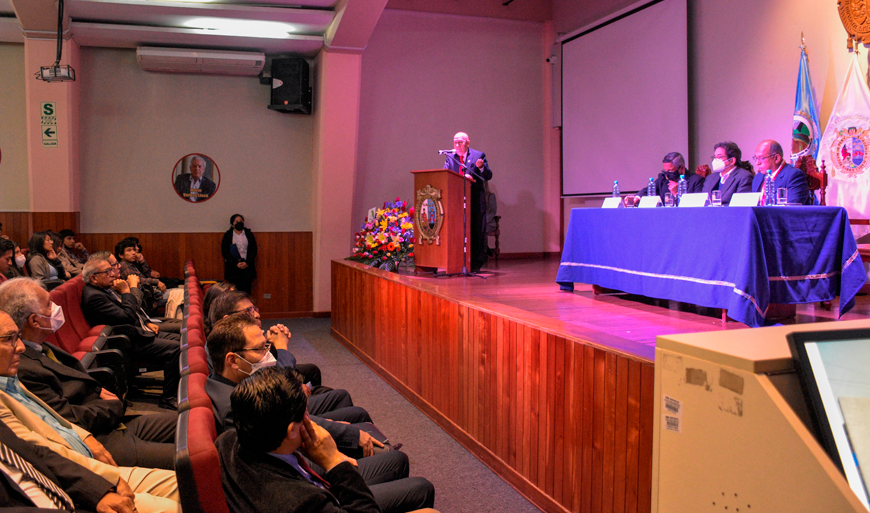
pixel 805 128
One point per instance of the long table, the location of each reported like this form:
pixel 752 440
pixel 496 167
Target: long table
pixel 738 258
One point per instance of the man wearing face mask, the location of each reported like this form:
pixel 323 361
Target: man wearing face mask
pixel 730 174
pixel 673 165
pixel 58 378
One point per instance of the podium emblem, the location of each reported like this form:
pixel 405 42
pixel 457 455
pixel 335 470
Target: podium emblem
pixel 429 214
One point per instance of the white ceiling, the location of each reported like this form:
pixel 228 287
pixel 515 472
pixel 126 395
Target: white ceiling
pixel 132 23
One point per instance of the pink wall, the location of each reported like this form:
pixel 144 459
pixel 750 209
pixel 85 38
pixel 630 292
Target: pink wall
pixel 426 77
pixel 527 10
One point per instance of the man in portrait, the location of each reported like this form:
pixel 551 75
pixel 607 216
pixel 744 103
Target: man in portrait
pixel 194 186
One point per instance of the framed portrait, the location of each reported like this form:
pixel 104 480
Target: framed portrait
pixel 196 178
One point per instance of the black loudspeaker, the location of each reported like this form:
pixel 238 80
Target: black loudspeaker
pixel 290 90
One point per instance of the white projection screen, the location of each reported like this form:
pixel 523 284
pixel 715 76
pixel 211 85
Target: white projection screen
pixel 625 100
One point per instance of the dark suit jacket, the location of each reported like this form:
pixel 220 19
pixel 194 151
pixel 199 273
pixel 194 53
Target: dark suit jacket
pixel 740 180
pixel 480 175
pixel 792 179
pixel 230 261
pixel 100 307
pixel 206 187
pixel 219 390
pixel 694 183
pixel 69 390
pixel 261 482
pixel 83 486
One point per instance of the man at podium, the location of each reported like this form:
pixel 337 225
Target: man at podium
pixel 473 163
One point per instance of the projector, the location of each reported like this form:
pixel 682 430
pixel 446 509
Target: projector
pixel 63 73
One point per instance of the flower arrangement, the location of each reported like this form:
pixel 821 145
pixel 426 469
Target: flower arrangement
pixel 388 239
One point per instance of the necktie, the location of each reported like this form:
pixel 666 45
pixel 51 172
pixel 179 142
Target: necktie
pixel 312 473
pixel 49 353
pixel 52 491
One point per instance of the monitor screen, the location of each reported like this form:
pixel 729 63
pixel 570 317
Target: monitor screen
pixel 834 371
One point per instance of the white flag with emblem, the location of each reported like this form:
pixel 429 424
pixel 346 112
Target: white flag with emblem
pixel 845 145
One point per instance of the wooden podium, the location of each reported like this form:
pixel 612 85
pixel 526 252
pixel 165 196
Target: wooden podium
pixel 440 227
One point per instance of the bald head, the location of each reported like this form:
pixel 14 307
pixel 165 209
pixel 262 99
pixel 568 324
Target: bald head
pixel 768 155
pixel 460 143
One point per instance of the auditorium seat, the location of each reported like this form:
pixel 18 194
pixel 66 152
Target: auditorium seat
pixel 197 464
pixel 191 392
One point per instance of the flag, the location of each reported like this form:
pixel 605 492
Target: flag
pixel 805 127
pixel 844 146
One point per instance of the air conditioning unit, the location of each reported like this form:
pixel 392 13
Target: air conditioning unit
pixel 181 60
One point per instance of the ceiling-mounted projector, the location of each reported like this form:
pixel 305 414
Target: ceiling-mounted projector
pixel 64 73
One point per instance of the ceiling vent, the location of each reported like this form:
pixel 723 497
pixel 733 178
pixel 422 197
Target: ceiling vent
pixel 181 60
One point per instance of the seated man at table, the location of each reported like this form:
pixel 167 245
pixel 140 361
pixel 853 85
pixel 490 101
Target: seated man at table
pixel 768 155
pixel 730 174
pixel 262 465
pixel 673 165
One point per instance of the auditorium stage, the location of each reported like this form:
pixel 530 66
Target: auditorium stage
pixel 552 390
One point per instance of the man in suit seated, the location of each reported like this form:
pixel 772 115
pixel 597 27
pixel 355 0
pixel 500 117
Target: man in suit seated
pixel 106 299
pixel 730 174
pixel 673 165
pixel 58 378
pixel 193 186
pixel 238 347
pixel 32 420
pixel 768 155
pixel 262 465
pixel 36 479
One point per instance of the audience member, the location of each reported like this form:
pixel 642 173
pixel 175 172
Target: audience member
pixel 73 254
pixel 2 235
pixel 730 174
pixel 61 382
pixel 239 249
pixel 74 487
pixel 262 466
pixel 18 261
pixel 768 156
pixel 673 165
pixel 127 252
pixel 7 250
pixel 214 291
pixel 240 334
pixel 42 261
pixel 34 421
pixel 106 299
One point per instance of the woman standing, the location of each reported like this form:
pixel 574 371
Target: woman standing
pixel 239 249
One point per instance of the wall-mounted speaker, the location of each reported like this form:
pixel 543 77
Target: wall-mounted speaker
pixel 290 90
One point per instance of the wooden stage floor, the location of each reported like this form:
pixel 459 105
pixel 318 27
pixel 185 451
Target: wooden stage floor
pixel 527 290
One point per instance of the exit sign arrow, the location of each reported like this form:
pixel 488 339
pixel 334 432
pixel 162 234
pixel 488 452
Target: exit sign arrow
pixel 49 132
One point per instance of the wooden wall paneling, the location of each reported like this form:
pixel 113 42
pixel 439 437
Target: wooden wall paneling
pixel 568 424
pixel 17 226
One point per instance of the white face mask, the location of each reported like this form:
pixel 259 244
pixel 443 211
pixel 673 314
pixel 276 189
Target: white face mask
pixel 56 317
pixel 267 361
pixel 20 260
pixel 718 165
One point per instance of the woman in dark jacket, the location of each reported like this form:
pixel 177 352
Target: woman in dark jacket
pixel 239 249
pixel 42 261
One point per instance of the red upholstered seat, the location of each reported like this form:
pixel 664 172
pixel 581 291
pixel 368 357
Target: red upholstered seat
pixel 195 338
pixel 197 360
pixel 197 463
pixel 196 396
pixel 69 297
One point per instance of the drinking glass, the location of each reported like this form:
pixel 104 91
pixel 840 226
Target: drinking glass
pixel 782 196
pixel 716 198
pixel 669 199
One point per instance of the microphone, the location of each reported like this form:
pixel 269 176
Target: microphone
pixel 446 152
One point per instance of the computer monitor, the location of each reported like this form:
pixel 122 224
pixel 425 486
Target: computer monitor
pixel 834 372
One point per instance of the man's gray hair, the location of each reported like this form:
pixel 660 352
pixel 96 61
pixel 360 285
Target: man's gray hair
pixel 196 157
pixel 674 158
pixel 93 264
pixel 775 148
pixel 18 299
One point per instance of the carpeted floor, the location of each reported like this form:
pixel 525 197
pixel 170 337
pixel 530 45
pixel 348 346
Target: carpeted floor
pixel 462 483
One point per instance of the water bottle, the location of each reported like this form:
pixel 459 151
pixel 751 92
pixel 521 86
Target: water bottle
pixel 769 190
pixel 615 189
pixel 682 187
pixel 651 188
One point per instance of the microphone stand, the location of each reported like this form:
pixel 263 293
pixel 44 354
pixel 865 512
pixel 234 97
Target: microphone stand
pixel 466 242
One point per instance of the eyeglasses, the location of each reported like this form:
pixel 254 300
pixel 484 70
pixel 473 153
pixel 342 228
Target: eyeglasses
pixel 762 158
pixel 721 157
pixel 11 338
pixel 250 310
pixel 263 349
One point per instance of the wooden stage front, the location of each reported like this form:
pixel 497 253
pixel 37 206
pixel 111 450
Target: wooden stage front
pixel 552 390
